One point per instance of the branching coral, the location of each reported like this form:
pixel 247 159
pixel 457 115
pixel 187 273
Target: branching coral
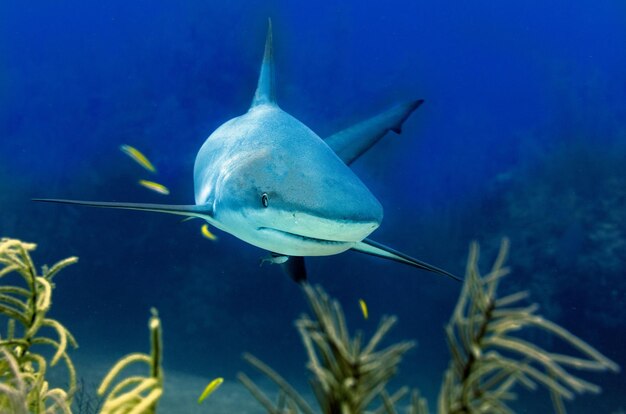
pixel 488 360
pixel 136 394
pixel 22 370
pixel 348 375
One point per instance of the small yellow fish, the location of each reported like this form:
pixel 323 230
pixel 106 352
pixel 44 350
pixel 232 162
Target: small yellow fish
pixel 363 308
pixel 139 158
pixel 213 385
pixel 207 233
pixel 156 187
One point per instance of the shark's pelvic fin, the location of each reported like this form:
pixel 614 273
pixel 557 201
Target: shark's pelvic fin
pixel 202 211
pixel 373 248
pixel 265 94
pixel 350 143
pixel 295 268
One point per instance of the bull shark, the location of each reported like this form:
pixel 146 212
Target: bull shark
pixel 269 180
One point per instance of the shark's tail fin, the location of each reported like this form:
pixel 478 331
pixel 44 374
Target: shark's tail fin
pixel 265 89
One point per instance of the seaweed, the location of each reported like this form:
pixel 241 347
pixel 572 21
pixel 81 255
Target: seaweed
pixel 489 360
pixel 136 394
pixel 13 388
pixel 487 336
pixel 348 374
pixel 24 388
pixel 489 356
pixel 26 305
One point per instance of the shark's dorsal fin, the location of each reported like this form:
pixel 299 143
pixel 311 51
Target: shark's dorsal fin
pixel 265 94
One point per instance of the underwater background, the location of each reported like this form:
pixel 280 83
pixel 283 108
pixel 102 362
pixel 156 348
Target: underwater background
pixel 522 134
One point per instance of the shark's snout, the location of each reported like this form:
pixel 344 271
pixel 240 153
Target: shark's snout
pixel 336 207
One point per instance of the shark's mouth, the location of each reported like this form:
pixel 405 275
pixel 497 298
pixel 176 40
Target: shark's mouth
pixel 301 237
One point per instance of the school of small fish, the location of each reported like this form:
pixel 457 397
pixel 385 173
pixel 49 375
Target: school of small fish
pixel 142 160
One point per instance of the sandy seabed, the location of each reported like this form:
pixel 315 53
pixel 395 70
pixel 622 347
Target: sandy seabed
pixel 181 390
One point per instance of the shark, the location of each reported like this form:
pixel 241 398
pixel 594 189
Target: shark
pixel 269 180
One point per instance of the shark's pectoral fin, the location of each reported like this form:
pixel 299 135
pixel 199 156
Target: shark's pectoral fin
pixel 350 143
pixel 295 268
pixel 201 211
pixel 373 248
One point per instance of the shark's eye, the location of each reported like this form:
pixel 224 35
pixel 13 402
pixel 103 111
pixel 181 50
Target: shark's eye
pixel 265 200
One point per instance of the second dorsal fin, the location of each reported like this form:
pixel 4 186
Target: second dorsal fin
pixel 265 94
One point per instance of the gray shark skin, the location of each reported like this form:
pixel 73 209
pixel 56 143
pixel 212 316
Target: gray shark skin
pixel 269 180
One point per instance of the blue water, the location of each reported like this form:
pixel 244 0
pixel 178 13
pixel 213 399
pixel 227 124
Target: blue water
pixel 522 134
